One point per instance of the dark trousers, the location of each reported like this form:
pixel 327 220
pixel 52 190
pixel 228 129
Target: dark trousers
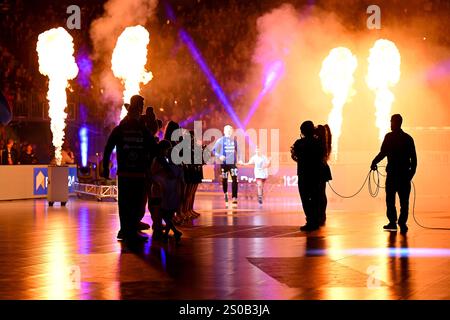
pixel 323 201
pixel 132 198
pixel 167 215
pixel 309 194
pixel 402 186
pixel 232 169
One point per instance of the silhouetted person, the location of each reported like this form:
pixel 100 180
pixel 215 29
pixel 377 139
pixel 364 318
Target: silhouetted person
pixel 9 154
pixel 67 155
pixel 28 156
pixel 306 151
pixel 133 143
pixel 149 121
pixel 400 151
pixel 323 134
pixel 167 186
pixel 226 149
pixel 169 130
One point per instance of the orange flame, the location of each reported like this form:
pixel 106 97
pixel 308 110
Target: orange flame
pixel 337 79
pixel 128 61
pixel 384 72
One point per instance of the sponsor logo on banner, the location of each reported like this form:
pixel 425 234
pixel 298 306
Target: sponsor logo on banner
pixel 40 180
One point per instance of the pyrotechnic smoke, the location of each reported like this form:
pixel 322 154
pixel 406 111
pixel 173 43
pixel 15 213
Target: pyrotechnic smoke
pixel 300 39
pixel 128 61
pixel 337 79
pixel 104 32
pixel 383 73
pixel 55 50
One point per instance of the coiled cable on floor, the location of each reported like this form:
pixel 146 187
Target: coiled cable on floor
pixel 372 175
pixel 414 214
pixel 374 191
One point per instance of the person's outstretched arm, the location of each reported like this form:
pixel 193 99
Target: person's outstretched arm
pixel 218 149
pixel 109 147
pixel 239 155
pixel 251 161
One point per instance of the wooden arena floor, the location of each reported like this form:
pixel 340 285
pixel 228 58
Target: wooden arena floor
pixel 251 252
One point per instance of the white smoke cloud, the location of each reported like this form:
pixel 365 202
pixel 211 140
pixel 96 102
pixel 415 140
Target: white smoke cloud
pixel 104 32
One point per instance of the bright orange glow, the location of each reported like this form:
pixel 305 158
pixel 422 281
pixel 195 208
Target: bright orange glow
pixel 337 79
pixel 55 50
pixel 383 73
pixel 128 61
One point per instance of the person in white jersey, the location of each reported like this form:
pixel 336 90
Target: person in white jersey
pixel 261 169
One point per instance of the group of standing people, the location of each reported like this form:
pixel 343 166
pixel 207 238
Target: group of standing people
pixel 10 156
pixel 228 153
pixel 312 152
pixel 147 174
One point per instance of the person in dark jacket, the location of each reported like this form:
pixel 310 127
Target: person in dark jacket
pixel 306 151
pixel 28 156
pixel 134 145
pixel 167 186
pixel 323 134
pixel 9 154
pixel 400 151
pixel 149 120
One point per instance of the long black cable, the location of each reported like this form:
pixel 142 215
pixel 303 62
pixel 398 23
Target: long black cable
pixel 353 195
pixel 375 176
pixel 414 213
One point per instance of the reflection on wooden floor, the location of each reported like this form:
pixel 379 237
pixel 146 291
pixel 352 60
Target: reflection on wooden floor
pixel 247 253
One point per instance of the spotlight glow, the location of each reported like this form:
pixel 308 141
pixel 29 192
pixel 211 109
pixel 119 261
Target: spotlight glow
pixel 84 145
pixel 272 75
pixel 401 252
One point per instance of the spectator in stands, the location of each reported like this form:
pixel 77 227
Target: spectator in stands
pixel 28 156
pixel 68 157
pixel 9 154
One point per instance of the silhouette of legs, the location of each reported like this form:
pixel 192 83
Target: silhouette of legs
pixel 391 189
pixel 404 191
pixel 323 201
pixel 309 194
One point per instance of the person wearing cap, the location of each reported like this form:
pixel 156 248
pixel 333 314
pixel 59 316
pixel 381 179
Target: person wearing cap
pixel 134 145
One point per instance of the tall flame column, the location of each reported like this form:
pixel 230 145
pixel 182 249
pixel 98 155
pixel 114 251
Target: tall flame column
pixel 56 61
pixel 337 79
pixel 383 73
pixel 128 61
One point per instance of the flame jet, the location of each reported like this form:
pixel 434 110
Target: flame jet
pixel 384 72
pixel 337 79
pixel 56 61
pixel 128 62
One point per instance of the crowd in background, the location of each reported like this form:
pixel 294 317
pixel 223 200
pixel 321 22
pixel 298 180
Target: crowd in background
pixel 224 32
pixel 23 152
